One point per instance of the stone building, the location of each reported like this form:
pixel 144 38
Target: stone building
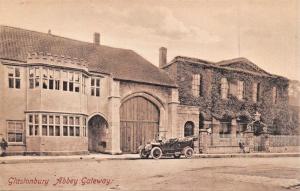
pixel 224 96
pixel 64 96
pixel 294 106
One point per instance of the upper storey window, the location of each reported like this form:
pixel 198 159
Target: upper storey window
pixel 197 84
pixel 77 82
pixel 50 78
pixel 95 87
pixel 71 81
pixel 236 88
pixel 34 77
pixel 14 77
pixel 224 88
pixel 45 78
pixel 233 88
pixel 55 79
pixel 256 92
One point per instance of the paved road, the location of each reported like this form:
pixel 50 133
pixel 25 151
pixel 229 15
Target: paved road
pixel 259 174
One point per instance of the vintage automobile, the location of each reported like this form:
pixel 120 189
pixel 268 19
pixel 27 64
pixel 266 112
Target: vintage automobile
pixel 171 147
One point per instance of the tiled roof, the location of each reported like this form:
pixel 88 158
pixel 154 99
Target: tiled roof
pixel 122 64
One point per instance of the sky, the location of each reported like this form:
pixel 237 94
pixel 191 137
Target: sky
pixel 267 32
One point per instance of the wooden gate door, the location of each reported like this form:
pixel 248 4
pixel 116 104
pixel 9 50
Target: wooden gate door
pixel 139 123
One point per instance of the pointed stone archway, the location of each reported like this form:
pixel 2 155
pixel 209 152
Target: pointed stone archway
pixel 139 123
pixel 97 133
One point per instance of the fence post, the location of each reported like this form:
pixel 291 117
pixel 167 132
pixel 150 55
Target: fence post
pixel 249 138
pixel 203 140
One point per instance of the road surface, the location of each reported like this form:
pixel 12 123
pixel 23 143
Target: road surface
pixel 247 174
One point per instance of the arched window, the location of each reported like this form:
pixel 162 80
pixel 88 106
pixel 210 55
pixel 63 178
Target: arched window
pixel 188 129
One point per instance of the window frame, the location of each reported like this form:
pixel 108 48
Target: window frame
pixel 189 131
pixel 95 86
pixel 224 88
pixel 196 85
pixel 14 79
pixel 15 132
pixel 38 121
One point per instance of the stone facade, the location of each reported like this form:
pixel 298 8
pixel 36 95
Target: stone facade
pixel 55 104
pixel 238 107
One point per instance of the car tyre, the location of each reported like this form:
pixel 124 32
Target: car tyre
pixel 188 152
pixel 143 154
pixel 156 153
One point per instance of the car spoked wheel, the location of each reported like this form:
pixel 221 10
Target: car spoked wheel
pixel 188 152
pixel 156 153
pixel 143 154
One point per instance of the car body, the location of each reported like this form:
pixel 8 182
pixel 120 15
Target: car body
pixel 170 147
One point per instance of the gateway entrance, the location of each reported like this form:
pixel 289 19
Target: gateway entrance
pixel 139 123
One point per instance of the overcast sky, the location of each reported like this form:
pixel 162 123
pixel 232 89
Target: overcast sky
pixel 264 31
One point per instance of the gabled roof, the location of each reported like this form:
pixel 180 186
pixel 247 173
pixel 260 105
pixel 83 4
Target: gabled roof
pixel 122 64
pixel 242 63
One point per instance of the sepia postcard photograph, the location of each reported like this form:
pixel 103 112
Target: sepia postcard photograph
pixel 149 95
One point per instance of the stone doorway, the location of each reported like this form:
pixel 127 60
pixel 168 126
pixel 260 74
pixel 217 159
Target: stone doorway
pixel 97 133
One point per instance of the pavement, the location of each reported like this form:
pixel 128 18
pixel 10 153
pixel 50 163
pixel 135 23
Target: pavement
pixel 100 156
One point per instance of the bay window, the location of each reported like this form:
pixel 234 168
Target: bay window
pixel 57 77
pixel 51 79
pixel 56 125
pixel 37 77
pixel 71 81
pixel 65 80
pixel 45 78
pixel 77 82
pixel 33 123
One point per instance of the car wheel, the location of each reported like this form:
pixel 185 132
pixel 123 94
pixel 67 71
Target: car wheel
pixel 143 154
pixel 188 152
pixel 156 153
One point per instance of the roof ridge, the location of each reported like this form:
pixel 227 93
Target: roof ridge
pixel 233 60
pixel 225 63
pixel 43 33
pixel 194 59
pixel 61 37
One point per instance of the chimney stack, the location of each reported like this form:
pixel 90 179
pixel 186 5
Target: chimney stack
pixel 96 38
pixel 162 56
